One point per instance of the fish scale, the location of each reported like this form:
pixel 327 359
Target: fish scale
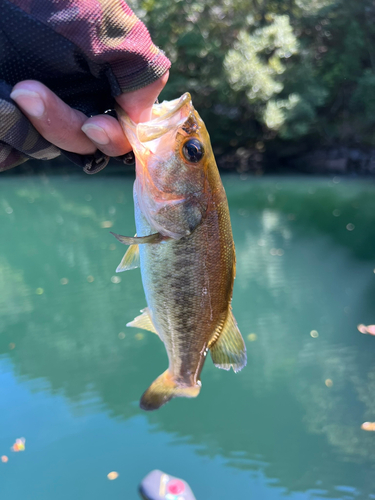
pixel 186 306
pixel 186 250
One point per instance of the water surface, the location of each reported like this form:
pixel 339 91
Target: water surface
pixel 71 373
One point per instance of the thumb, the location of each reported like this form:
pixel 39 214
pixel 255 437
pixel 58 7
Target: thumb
pixel 138 104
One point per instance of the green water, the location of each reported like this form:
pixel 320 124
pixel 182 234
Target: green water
pixel 71 373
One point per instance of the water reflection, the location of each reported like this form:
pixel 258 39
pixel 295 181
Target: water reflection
pixel 299 269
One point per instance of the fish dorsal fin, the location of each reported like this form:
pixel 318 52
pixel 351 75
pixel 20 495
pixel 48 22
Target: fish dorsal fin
pixel 229 349
pixel 130 260
pixel 143 321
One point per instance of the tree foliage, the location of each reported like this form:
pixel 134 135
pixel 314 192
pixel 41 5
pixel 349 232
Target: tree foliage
pixel 275 72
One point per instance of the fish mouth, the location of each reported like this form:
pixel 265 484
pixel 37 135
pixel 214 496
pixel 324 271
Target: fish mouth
pixel 166 117
pixel 167 109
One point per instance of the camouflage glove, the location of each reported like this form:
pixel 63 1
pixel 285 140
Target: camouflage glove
pixel 85 51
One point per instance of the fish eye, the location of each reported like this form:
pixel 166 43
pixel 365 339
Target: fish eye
pixel 193 150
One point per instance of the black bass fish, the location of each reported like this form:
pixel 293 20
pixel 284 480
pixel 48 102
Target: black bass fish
pixel 184 247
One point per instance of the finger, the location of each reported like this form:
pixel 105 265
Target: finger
pixel 106 133
pixel 138 104
pixel 53 118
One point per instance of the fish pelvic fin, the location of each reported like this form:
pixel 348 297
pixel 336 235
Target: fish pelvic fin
pixel 163 389
pixel 143 321
pixel 228 350
pixel 130 260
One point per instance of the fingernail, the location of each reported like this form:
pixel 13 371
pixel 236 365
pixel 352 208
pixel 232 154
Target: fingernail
pixel 95 133
pixel 29 101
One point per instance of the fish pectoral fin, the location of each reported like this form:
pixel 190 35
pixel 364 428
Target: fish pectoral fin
pixel 138 240
pixel 163 389
pixel 229 350
pixel 143 321
pixel 130 260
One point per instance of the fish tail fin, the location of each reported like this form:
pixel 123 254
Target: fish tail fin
pixel 165 388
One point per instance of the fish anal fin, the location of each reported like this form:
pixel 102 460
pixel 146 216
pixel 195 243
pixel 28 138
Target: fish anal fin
pixel 163 389
pixel 143 321
pixel 229 350
pixel 130 260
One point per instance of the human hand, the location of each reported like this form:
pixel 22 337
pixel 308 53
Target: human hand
pixel 71 130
